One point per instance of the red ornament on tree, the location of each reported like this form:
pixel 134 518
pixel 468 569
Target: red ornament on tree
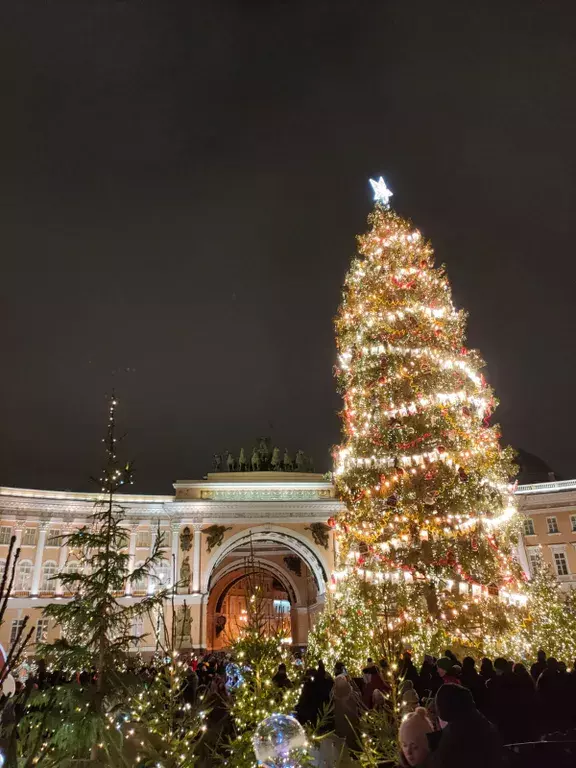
pixel 331 522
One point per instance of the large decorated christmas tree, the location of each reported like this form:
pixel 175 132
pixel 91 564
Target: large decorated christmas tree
pixel 429 525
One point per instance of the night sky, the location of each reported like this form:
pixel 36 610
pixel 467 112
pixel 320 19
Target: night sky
pixel 181 184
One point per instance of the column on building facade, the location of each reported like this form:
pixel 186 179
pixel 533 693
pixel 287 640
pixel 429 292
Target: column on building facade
pixel 18 533
pixel 131 556
pixel 175 549
pixel 151 580
pixel 300 624
pixel 62 558
pixel 523 557
pixel 37 572
pixel 336 550
pixel 196 557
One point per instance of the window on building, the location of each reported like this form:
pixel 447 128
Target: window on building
pixel 281 606
pixel 561 563
pixel 528 527
pixel 72 566
pixel 166 540
pixel 137 629
pixel 573 523
pixel 48 583
pixel 534 558
pixel 143 539
pixel 552 524
pixel 23 576
pixel 42 630
pixel 141 583
pixel 29 537
pixel 16 625
pixel 54 539
pixel 5 534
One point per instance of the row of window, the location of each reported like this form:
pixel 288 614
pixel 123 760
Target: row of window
pixel 41 629
pixel 560 561
pixel 551 525
pixel 42 626
pixel 25 568
pixel 29 537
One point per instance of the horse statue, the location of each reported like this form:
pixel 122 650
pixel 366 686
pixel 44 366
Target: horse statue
pixel 288 465
pixel 242 463
pixel 300 461
pixel 264 452
pixel 275 463
pixel 216 462
pixel 231 462
pixel 255 460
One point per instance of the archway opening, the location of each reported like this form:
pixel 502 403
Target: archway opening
pixel 287 586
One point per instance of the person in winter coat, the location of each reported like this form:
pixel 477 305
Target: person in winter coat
pixel 486 670
pixel 409 699
pixel 373 682
pixel 309 703
pixel 472 680
pixel 445 667
pixel 281 679
pixel 430 680
pixel 506 703
pixel 468 740
pixel 539 666
pixel 407 670
pixel 347 709
pixel 413 737
pixel 551 693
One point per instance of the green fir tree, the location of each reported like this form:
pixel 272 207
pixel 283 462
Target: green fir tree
pixel 80 721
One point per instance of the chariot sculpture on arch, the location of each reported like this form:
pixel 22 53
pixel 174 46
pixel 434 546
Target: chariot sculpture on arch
pixel 264 457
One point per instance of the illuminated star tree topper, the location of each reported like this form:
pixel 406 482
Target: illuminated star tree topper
pixel 382 194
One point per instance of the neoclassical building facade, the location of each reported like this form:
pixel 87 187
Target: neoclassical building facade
pixel 549 526
pixel 211 531
pixel 216 530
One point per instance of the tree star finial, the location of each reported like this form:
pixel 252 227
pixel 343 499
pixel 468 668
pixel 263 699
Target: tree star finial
pixel 381 192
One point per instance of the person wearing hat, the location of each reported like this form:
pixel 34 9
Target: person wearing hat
pixel 429 678
pixel 409 698
pixel 445 667
pixel 468 738
pixel 413 737
pixel 347 708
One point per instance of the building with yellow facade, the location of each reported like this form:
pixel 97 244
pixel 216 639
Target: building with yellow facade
pixel 211 529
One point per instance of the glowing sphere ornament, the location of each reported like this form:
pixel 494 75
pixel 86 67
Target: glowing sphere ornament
pixel 234 676
pixel 9 686
pixel 279 742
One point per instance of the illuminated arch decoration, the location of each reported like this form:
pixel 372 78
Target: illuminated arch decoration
pixel 298 543
pixel 266 565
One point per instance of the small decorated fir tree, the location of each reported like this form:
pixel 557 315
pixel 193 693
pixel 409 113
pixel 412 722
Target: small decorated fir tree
pixel 257 651
pixel 550 622
pixel 97 625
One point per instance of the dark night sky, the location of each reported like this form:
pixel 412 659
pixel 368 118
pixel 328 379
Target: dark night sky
pixel 181 182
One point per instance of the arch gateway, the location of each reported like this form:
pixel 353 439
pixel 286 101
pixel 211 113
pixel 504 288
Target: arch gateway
pixel 215 531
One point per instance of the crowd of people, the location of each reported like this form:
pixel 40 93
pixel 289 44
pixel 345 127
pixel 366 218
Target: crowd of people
pixel 448 713
pixel 451 714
